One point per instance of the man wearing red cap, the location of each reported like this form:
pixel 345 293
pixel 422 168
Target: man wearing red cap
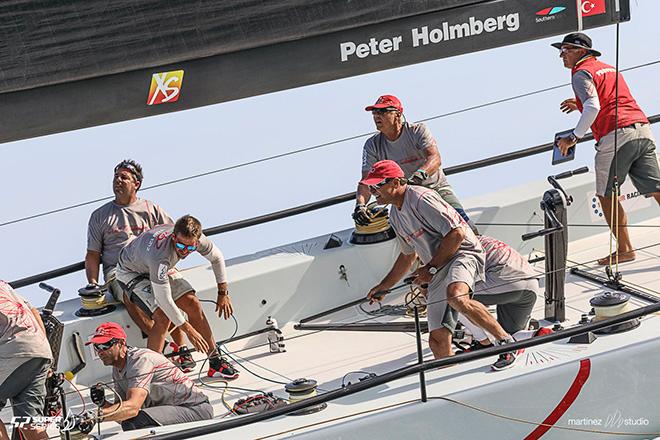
pixel 154 391
pixel 452 257
pixel 412 147
pixel 595 87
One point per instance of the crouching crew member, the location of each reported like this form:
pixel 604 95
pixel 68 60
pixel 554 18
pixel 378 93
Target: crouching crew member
pixel 510 284
pixel 146 270
pixel 154 391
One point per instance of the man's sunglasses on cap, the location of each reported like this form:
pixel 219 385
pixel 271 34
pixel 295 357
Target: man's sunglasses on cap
pixel 188 247
pixel 105 345
pixel 130 167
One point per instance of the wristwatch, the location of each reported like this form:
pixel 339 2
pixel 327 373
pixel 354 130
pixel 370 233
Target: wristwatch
pixel 573 138
pixel 432 270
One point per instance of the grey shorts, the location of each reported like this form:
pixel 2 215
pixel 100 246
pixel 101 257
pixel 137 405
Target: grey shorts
pixel 26 388
pixel 114 285
pixel 138 288
pixel 461 269
pixel 636 157
pixel 514 307
pixel 170 415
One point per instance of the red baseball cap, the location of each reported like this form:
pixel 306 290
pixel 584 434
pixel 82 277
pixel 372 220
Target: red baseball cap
pixel 386 101
pixel 107 331
pixel 385 169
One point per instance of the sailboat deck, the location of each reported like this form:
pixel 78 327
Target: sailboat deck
pixel 330 357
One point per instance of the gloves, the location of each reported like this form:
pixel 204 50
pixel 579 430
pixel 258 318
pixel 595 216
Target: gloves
pixel 84 422
pixel 361 215
pixel 418 177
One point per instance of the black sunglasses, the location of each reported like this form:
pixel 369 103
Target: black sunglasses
pixel 382 111
pixel 105 345
pixel 380 184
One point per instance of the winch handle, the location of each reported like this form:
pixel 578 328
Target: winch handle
pixel 567 174
pixel 54 296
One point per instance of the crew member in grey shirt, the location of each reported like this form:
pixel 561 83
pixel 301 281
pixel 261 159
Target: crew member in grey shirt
pixel 146 270
pixel 25 358
pixel 452 257
pixel 510 283
pixel 113 226
pixel 153 390
pixel 412 147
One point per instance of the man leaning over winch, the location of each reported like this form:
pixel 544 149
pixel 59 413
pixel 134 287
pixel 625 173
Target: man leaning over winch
pixel 153 391
pixel 412 147
pixel 146 270
pixel 452 258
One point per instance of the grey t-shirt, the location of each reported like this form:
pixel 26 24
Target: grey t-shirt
pixel 164 381
pixel 112 226
pixel 503 264
pixel 21 337
pixel 153 253
pixel 424 219
pixel 407 151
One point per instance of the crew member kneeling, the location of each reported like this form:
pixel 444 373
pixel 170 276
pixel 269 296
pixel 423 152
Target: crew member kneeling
pixel 154 391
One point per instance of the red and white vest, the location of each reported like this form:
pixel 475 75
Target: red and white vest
pixel 604 77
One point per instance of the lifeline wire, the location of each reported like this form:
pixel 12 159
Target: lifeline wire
pixel 302 150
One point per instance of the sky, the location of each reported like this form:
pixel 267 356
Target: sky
pixel 64 169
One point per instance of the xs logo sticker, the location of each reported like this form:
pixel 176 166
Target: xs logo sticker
pixel 165 87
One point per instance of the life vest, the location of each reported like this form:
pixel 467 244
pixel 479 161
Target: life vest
pixel 604 78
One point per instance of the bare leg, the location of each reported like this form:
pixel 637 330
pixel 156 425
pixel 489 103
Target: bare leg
pixel 138 316
pixel 440 343
pixel 3 432
pixel 458 298
pixel 161 324
pixel 190 304
pixel 624 246
pixel 34 434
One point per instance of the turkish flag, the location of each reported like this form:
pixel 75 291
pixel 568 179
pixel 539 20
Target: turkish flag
pixel 593 7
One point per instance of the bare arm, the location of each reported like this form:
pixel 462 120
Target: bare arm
pixel 363 194
pixel 447 248
pixel 398 271
pixel 433 160
pixel 92 265
pixel 130 407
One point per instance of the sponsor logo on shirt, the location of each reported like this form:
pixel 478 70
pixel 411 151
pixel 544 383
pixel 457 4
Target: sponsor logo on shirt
pixel 162 272
pixel 165 87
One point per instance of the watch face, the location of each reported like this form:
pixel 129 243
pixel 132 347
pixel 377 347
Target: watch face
pixel 433 270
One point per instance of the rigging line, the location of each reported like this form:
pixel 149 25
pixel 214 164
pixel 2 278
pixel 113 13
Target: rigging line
pixel 300 150
pixel 552 426
pixel 579 225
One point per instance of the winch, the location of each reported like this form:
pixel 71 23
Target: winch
pixel 378 230
pixel 93 299
pixel 301 389
pixel 609 304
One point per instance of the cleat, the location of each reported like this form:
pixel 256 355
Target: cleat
pixel 219 367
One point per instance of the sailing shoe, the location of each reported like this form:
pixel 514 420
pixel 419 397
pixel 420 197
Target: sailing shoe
pixel 474 346
pixel 506 360
pixel 185 361
pixel 219 367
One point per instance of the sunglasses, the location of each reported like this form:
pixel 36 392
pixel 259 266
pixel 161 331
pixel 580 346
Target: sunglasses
pixel 567 49
pixel 380 184
pixel 105 346
pixel 181 246
pixel 382 111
